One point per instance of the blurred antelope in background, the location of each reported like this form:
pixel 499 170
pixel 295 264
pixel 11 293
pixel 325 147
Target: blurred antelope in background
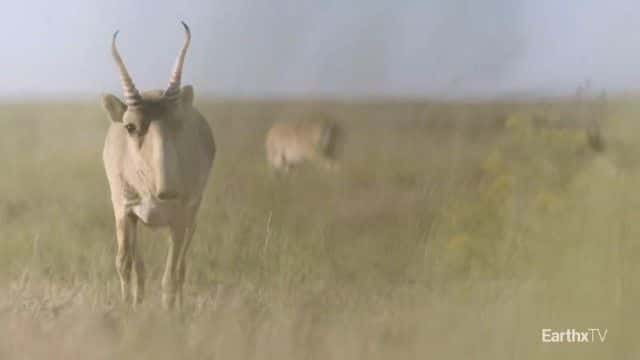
pixel 158 154
pixel 293 142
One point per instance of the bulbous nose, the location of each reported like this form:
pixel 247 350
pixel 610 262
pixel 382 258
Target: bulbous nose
pixel 168 194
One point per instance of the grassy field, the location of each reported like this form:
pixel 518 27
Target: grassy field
pixel 452 231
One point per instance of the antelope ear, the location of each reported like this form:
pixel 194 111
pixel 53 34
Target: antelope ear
pixel 187 95
pixel 114 107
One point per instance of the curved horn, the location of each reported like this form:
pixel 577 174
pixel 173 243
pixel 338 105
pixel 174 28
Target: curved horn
pixel 132 97
pixel 173 89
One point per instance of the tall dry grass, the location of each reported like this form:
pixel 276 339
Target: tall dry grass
pixel 453 230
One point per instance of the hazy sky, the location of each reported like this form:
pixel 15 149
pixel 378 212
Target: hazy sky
pixel 330 48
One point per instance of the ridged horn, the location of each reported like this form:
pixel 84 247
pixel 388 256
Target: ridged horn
pixel 173 89
pixel 132 96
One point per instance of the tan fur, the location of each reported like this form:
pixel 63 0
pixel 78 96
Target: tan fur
pixel 290 143
pixel 157 176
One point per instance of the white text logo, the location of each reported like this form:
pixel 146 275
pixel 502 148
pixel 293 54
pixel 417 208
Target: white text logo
pixel 574 336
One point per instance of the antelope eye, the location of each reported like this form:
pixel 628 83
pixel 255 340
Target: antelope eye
pixel 131 128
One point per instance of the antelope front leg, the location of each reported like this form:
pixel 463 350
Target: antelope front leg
pixel 182 262
pixel 170 277
pixel 125 237
pixel 138 294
